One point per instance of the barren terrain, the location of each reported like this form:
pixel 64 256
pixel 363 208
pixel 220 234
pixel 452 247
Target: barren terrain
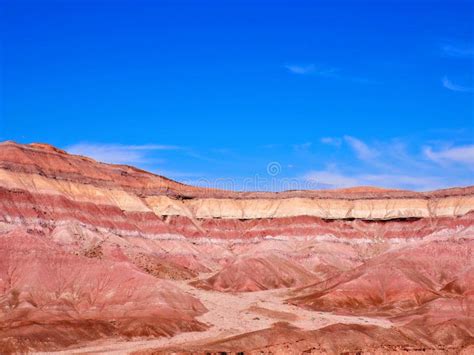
pixel 99 258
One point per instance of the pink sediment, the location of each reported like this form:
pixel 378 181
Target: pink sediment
pixel 85 248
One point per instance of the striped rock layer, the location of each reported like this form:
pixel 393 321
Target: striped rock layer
pixel 42 184
pixel 91 250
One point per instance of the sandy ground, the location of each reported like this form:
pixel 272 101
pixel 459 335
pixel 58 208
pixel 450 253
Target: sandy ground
pixel 229 314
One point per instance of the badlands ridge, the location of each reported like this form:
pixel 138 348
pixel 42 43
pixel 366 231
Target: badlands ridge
pixel 100 258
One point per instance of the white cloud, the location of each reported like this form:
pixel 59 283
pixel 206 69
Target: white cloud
pixel 459 50
pixel 461 155
pixel 325 72
pixel 328 72
pixel 118 153
pixel 301 69
pixel 362 150
pixel 331 141
pixel 393 165
pixel 448 84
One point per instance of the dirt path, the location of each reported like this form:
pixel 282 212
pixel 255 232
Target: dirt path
pixel 231 314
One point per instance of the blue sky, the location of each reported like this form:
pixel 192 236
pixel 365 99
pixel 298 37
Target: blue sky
pixel 330 93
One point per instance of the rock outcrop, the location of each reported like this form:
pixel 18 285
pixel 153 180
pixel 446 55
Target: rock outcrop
pixel 92 251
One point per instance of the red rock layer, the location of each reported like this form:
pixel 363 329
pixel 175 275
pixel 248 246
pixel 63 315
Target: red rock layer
pixel 51 299
pixel 314 226
pixel 396 282
pixel 282 338
pixel 85 246
pixel 41 184
pixel 256 274
pixel 25 207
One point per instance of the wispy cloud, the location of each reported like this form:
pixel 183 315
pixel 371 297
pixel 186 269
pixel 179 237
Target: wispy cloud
pixel 448 84
pixel 301 69
pixel 118 153
pixel 460 155
pixel 331 141
pixel 362 150
pixel 459 50
pixel 324 72
pixel 313 69
pixel 396 163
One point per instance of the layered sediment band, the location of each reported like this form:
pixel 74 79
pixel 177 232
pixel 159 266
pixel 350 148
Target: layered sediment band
pixel 39 182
